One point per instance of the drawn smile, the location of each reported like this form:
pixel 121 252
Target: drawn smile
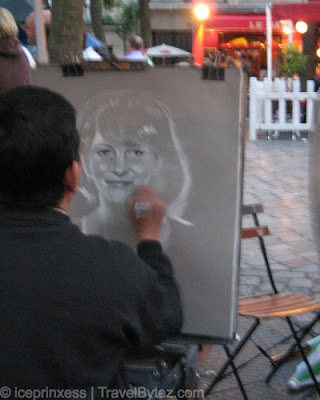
pixel 118 183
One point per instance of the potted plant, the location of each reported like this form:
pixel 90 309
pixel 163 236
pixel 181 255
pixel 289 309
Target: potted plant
pixel 294 63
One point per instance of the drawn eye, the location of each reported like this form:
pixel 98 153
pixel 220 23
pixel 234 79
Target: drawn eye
pixel 135 153
pixel 105 153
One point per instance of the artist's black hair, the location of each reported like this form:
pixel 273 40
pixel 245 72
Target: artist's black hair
pixel 38 142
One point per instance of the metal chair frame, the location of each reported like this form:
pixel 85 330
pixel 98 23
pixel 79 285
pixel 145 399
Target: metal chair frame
pixel 308 303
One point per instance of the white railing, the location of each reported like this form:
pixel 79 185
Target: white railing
pixel 275 107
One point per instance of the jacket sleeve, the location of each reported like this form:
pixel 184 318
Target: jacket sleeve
pixel 152 309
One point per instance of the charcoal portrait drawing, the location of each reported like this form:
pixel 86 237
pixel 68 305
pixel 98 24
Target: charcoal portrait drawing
pixel 129 139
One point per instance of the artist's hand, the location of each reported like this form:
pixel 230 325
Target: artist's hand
pixel 146 210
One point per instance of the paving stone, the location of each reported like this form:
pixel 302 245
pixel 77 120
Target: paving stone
pixel 300 283
pixel 249 280
pixel 287 258
pixel 307 253
pixel 267 287
pixel 288 274
pixel 297 263
pixel 313 259
pixel 310 268
pixel 253 272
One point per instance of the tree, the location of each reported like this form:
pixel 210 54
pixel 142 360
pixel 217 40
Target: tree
pixel 96 19
pixel 145 25
pixel 310 45
pixel 127 22
pixel 66 31
pixel 294 62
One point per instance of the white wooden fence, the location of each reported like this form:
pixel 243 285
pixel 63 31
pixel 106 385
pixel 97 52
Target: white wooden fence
pixel 275 107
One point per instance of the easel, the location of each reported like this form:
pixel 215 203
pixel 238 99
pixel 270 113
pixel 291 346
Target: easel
pixel 174 365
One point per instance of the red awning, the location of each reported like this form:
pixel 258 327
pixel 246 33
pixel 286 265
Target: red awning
pixel 240 22
pixel 308 12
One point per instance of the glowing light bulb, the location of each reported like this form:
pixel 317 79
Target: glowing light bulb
pixel 301 27
pixel 201 11
pixel 286 30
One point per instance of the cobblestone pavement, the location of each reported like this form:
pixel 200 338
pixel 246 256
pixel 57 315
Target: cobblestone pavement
pixel 276 175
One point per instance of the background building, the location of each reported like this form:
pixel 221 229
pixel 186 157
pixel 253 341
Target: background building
pixel 234 27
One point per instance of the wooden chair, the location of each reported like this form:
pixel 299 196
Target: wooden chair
pixel 274 305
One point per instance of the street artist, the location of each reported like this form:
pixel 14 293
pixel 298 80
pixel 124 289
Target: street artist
pixel 71 304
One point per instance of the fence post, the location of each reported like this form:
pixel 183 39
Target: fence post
pixel 310 105
pixel 296 112
pixel 282 103
pixel 267 86
pixel 252 108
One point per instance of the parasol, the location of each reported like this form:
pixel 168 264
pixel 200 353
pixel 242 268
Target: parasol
pixel 164 50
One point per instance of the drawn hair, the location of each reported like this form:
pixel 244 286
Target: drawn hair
pixel 146 119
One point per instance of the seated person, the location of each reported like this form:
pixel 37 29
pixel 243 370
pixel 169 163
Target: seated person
pixel 72 304
pixel 135 47
pixel 191 62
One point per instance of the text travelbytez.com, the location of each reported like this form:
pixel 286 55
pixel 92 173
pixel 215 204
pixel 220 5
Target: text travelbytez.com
pixel 100 392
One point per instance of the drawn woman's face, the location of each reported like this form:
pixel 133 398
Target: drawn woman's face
pixel 119 164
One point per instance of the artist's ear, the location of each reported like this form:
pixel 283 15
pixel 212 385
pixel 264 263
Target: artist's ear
pixel 72 177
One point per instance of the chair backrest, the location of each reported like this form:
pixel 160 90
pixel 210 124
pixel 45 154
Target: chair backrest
pixel 258 231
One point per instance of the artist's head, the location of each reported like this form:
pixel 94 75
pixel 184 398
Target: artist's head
pixel 30 26
pixel 135 43
pixel 130 141
pixel 39 146
pixel 8 26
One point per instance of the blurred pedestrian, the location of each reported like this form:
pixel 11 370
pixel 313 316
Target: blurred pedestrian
pixel 190 63
pixel 316 81
pixel 14 65
pixel 245 66
pixel 135 47
pixel 30 28
pixel 230 63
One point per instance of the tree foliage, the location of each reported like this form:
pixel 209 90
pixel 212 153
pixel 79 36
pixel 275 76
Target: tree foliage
pixel 109 4
pixel 127 22
pixel 294 62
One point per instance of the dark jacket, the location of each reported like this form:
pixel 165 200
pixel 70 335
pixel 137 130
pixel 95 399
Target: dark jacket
pixel 72 304
pixel 14 66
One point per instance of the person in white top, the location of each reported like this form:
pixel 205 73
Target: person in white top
pixel 30 58
pixel 135 46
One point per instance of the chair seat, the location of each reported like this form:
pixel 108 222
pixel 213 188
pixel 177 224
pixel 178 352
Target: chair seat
pixel 277 305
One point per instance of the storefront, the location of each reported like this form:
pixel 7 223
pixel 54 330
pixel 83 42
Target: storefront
pixel 237 34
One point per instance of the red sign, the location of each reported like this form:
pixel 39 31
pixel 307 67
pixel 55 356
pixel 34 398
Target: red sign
pixel 240 22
